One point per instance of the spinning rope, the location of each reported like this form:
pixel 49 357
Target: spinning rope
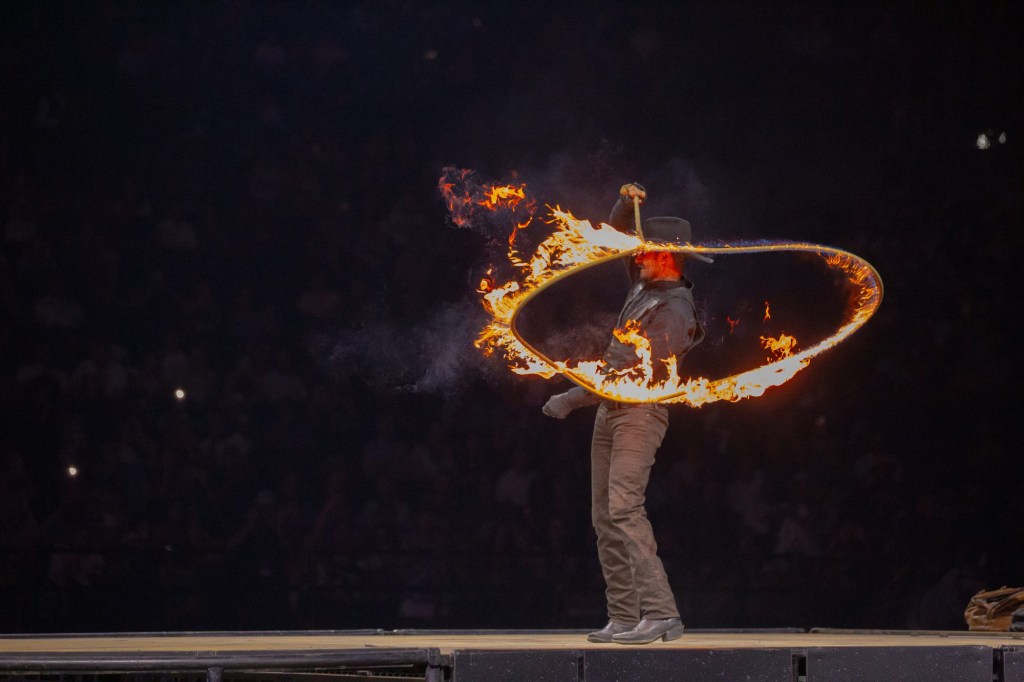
pixel 576 245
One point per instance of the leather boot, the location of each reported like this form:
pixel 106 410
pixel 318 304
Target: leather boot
pixel 606 633
pixel 650 629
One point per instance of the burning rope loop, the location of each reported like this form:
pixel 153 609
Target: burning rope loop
pixel 695 391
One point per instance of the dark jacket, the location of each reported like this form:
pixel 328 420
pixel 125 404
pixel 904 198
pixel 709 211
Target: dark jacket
pixel 663 308
pixel 665 311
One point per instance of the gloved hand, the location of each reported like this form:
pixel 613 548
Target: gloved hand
pixel 633 189
pixel 559 406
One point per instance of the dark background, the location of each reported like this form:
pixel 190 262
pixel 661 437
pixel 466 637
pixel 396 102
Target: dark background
pixel 240 199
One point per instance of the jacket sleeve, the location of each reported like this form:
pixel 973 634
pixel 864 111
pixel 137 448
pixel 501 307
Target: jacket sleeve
pixel 621 216
pixel 581 397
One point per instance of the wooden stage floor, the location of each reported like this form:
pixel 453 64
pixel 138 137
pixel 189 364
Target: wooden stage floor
pixel 447 642
pixel 819 655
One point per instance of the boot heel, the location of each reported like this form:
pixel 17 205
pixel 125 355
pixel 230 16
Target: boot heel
pixel 674 633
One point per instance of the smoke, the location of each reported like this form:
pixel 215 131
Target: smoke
pixel 446 357
pixel 436 355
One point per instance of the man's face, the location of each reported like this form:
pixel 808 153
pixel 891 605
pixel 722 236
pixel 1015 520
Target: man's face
pixel 656 265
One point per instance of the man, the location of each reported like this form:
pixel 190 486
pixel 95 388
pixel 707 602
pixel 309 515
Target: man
pixel 641 607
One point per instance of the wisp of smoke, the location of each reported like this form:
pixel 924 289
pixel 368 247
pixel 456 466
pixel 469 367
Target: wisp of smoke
pixel 438 355
pixel 435 356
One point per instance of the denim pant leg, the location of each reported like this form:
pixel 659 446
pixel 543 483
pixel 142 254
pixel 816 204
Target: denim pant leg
pixel 637 432
pixel 622 599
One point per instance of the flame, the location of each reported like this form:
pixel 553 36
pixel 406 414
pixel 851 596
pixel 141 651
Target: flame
pixel 781 347
pixel 486 282
pixel 456 195
pixel 767 311
pixel 576 244
pixel 465 196
pixel 505 196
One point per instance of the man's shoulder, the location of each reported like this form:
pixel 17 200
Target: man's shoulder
pixel 677 294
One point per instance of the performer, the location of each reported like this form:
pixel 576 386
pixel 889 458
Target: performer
pixel 641 606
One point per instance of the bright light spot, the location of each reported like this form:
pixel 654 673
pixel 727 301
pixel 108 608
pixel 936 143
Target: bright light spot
pixel 72 471
pixel 1002 138
pixel 430 55
pixel 179 393
pixel 983 142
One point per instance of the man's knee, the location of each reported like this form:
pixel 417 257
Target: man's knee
pixel 626 513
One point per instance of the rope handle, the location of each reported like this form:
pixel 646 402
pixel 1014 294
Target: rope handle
pixel 636 217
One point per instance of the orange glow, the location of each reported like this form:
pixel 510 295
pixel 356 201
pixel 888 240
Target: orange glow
pixel 767 311
pixel 576 244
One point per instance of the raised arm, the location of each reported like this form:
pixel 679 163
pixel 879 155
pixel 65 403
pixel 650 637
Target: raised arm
pixel 621 217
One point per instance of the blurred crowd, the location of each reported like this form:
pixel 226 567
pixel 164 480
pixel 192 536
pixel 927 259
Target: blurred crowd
pixel 197 436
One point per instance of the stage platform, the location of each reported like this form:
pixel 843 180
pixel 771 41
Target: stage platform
pixel 817 655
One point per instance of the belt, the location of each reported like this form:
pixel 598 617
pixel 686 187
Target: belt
pixel 615 405
pixel 612 405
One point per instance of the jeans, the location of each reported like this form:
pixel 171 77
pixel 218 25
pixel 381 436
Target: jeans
pixel 621 456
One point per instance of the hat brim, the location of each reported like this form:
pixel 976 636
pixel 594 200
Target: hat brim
pixel 687 254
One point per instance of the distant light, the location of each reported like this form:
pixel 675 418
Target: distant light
pixel 179 393
pixel 430 55
pixel 1002 138
pixel 72 471
pixel 983 142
